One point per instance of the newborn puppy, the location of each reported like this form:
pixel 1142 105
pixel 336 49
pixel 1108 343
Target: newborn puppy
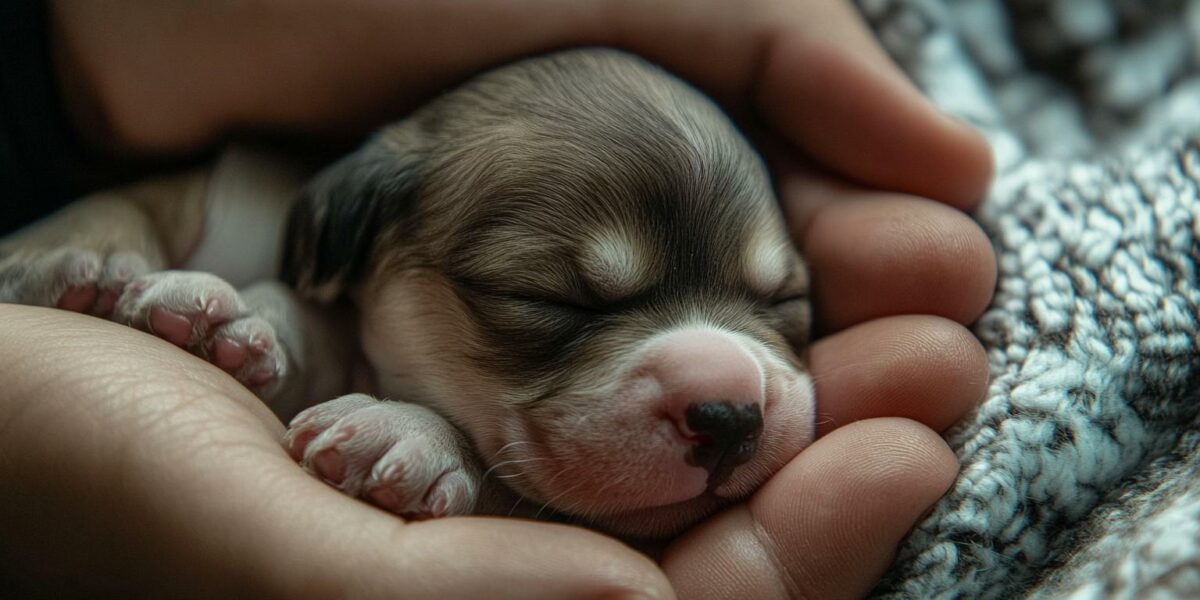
pixel 570 277
pixel 578 263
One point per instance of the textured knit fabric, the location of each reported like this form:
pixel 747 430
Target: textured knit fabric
pixel 1080 469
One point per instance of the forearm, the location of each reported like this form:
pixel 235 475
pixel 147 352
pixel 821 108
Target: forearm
pixel 172 76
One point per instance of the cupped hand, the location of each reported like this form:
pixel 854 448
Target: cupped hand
pixel 133 469
pixel 895 277
pixel 809 68
pixel 197 489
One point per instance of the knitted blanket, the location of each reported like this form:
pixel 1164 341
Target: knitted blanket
pixel 1081 469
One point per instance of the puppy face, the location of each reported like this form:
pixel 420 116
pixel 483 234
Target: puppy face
pixel 579 262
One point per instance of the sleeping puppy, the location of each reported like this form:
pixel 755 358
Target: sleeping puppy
pixel 569 275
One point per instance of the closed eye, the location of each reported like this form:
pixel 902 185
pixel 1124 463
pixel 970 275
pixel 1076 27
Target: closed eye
pixel 535 297
pixel 792 317
pixel 557 303
pixel 789 298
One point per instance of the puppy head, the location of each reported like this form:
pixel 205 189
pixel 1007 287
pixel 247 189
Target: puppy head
pixel 578 261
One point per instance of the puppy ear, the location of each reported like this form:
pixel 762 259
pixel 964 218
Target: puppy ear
pixel 333 227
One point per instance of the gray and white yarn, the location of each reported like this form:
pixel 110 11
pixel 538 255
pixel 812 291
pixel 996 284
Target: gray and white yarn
pixel 1081 470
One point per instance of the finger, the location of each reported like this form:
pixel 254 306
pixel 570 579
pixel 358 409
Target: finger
pixel 826 526
pixel 323 544
pixel 817 75
pixel 923 368
pixel 144 471
pixel 853 117
pixel 873 254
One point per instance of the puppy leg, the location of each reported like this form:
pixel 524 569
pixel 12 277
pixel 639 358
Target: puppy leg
pixel 205 315
pixel 290 354
pixel 74 279
pixel 319 343
pixel 401 457
pixel 82 257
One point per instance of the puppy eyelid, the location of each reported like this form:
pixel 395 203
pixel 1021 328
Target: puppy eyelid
pixel 786 292
pixel 793 287
pixel 542 299
pixel 782 300
pixel 564 303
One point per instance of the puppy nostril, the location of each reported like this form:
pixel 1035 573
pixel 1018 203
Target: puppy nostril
pixel 726 435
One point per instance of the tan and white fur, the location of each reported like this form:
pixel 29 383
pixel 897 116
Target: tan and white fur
pixel 568 278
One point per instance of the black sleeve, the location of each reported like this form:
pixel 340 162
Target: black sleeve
pixel 43 163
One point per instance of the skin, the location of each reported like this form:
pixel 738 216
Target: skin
pixel 121 494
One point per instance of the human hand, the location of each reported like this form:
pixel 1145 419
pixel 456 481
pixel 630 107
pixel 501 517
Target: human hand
pixel 132 468
pixel 895 278
pixel 823 89
pixel 810 70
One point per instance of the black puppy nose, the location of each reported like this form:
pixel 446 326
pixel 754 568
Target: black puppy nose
pixel 726 436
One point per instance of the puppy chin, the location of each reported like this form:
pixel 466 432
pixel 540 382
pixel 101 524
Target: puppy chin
pixel 659 522
pixel 621 468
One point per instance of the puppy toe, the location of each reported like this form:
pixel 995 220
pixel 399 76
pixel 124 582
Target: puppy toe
pixel 179 306
pixel 119 269
pixel 78 298
pixel 248 349
pixel 170 326
pixel 343 454
pixel 70 278
pixel 402 478
pixel 400 457
pixel 315 420
pixel 408 481
pixel 454 493
pixel 78 267
pixel 327 461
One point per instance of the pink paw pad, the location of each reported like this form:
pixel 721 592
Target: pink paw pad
pixel 247 349
pixel 78 299
pixel 174 328
pixel 206 316
pixel 91 284
pixel 400 457
pixel 329 465
pixel 228 354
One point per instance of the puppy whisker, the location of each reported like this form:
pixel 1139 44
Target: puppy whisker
pixel 555 498
pixel 512 510
pixel 511 475
pixel 487 473
pixel 511 446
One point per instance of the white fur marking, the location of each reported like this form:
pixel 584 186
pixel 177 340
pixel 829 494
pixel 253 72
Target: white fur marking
pixel 766 264
pixel 249 194
pixel 615 264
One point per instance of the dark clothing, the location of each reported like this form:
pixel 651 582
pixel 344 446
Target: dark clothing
pixel 41 158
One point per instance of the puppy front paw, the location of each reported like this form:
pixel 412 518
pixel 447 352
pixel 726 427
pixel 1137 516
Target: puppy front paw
pixel 401 457
pixel 205 315
pixel 73 279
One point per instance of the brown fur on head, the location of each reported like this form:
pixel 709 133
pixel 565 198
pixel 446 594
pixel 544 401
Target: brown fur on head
pixel 517 247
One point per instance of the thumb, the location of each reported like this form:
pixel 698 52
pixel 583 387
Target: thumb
pixel 830 90
pixel 334 546
pixel 141 470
